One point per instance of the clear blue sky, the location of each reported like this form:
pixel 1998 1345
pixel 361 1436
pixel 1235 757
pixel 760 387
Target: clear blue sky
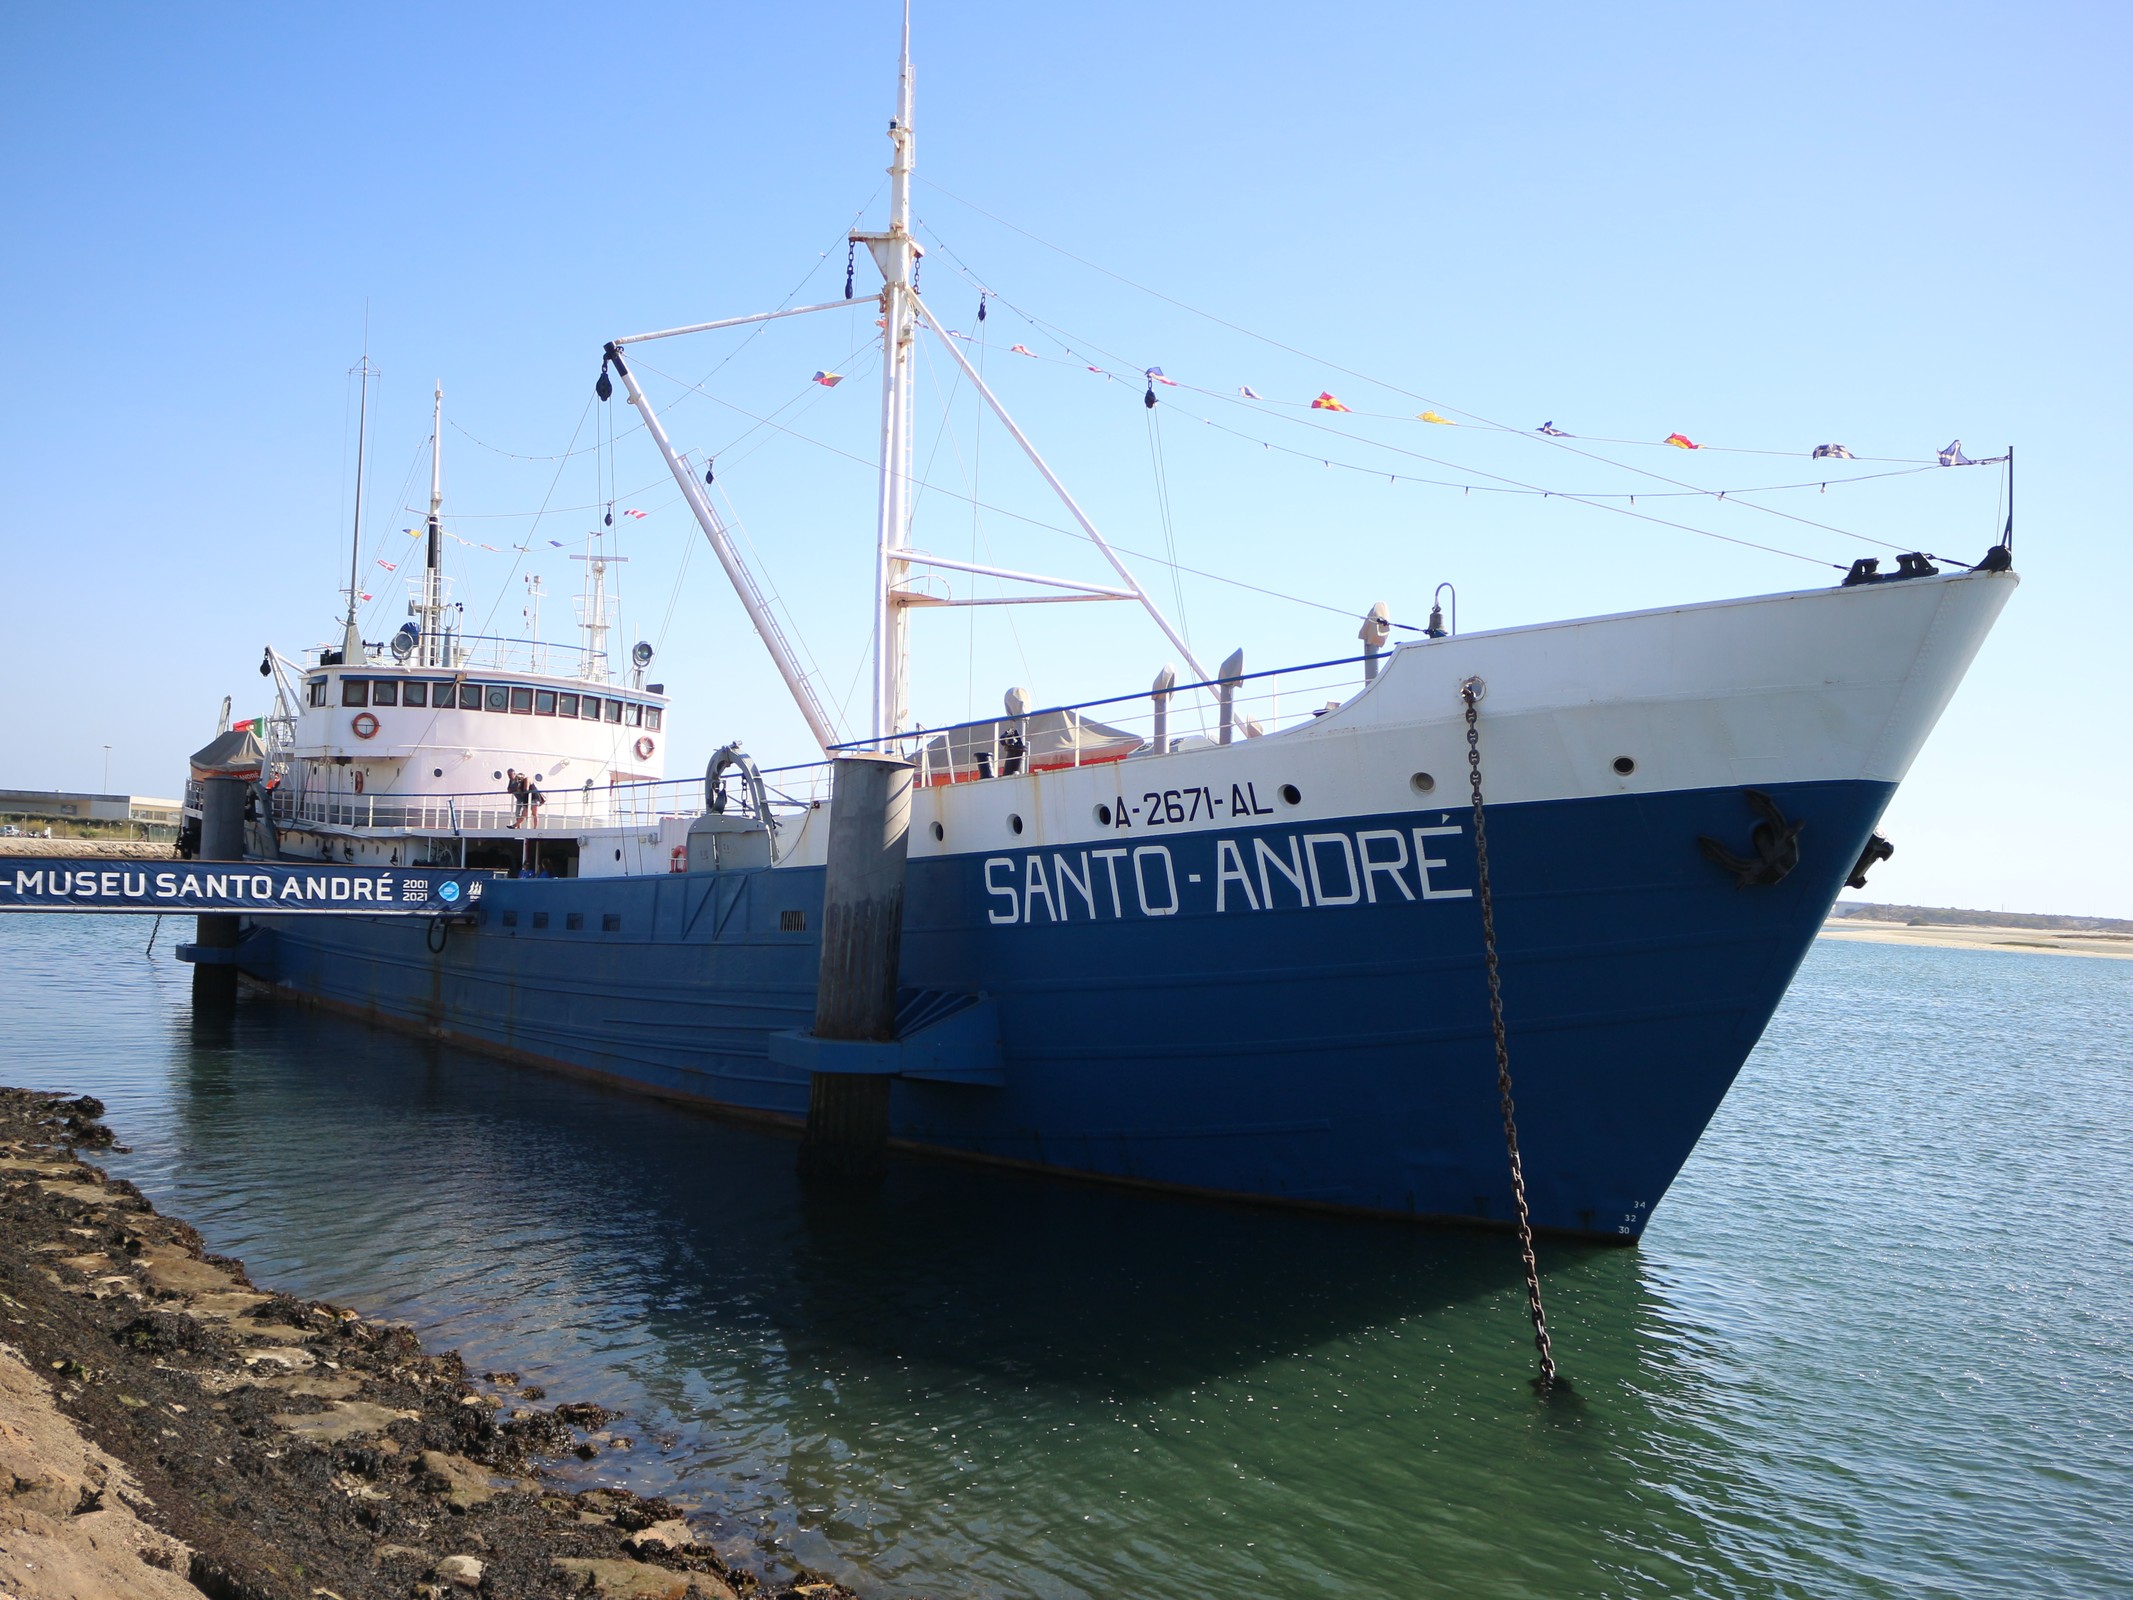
pixel 1763 227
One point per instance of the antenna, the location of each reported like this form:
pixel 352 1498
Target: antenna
pixel 532 614
pixel 351 638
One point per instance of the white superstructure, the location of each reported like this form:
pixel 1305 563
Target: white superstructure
pixel 402 752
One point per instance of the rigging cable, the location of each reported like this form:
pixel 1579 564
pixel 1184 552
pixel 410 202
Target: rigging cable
pixel 791 295
pixel 523 550
pixel 1066 340
pixel 379 543
pixel 1162 504
pixel 1038 522
pixel 1513 483
pixel 1277 344
pixel 1013 631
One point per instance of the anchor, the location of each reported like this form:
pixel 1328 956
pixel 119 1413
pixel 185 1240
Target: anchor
pixel 1775 841
pixel 1877 850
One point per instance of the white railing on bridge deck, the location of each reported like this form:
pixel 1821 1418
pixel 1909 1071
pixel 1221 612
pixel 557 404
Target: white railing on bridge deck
pixel 622 805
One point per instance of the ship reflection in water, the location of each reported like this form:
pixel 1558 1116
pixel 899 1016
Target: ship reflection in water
pixel 987 1383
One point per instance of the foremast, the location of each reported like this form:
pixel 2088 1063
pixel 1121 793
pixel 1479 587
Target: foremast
pixel 896 254
pixel 429 606
pixel 351 635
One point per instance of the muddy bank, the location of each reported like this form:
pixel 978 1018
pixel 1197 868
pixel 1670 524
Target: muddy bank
pixel 169 1428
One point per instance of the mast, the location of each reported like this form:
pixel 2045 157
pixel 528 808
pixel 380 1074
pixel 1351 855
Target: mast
pixel 436 525
pixel 896 254
pixel 593 612
pixel 351 636
pixel 432 608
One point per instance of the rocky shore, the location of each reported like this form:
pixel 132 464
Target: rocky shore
pixel 169 1429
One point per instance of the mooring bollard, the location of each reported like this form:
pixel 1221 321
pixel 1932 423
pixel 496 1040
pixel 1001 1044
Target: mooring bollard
pixel 221 839
pixel 862 938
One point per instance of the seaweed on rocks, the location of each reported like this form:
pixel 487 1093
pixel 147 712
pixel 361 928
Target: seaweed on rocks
pixel 292 1448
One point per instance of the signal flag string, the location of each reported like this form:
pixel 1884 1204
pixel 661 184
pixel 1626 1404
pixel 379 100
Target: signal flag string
pixel 1547 433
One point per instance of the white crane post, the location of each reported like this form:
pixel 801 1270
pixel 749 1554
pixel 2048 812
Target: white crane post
pixel 752 601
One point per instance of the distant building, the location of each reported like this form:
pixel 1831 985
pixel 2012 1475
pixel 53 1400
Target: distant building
pixel 64 807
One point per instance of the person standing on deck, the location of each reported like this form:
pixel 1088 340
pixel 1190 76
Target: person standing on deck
pixel 517 787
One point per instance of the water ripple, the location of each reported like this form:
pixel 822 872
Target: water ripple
pixel 1876 1342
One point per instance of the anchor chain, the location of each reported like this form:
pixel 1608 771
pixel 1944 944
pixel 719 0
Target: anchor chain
pixel 1471 692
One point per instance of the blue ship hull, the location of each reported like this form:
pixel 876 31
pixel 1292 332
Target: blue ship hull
pixel 1185 1023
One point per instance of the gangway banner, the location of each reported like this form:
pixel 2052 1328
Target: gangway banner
pixel 279 888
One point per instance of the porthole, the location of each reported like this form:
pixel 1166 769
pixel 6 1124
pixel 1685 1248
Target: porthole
pixel 1422 783
pixel 436 772
pixel 1103 816
pixel 1014 822
pixel 1291 795
pixel 939 833
pixel 1624 765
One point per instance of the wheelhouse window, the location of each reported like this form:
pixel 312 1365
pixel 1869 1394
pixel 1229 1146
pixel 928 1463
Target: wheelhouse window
pixel 632 714
pixel 652 718
pixel 415 694
pixel 498 697
pixel 522 701
pixel 544 702
pixel 469 696
pixel 566 705
pixel 384 694
pixel 317 687
pixel 614 711
pixel 355 691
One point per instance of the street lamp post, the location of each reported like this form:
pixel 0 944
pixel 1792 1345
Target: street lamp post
pixel 107 769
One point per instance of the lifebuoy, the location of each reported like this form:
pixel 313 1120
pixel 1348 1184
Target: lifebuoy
pixel 365 725
pixel 359 780
pixel 679 860
pixel 644 749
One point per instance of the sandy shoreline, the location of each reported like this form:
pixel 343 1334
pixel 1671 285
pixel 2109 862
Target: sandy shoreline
pixel 1950 936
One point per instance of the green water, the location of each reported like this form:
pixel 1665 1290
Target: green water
pixel 1878 1341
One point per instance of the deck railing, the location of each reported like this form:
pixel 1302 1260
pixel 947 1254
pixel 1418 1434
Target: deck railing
pixel 1183 716
pixel 1169 716
pixel 638 804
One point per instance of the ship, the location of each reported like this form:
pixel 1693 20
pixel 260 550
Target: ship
pixel 1253 961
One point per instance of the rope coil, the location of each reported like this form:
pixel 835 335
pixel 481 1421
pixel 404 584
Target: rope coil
pixel 1471 692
